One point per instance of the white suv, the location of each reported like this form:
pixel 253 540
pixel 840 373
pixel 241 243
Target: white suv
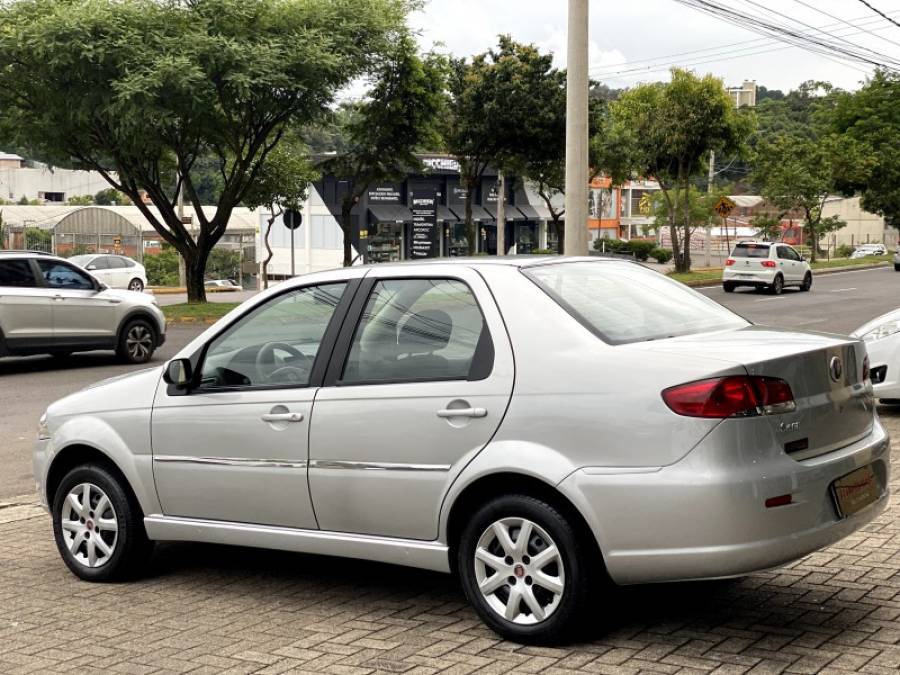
pixel 764 264
pixel 50 306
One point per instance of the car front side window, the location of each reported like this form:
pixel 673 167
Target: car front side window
pixel 276 344
pixel 64 276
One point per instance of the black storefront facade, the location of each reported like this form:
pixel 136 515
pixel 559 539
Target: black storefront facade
pixel 423 215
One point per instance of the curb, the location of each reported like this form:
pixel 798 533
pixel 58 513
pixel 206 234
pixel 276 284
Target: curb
pixel 709 283
pixel 180 290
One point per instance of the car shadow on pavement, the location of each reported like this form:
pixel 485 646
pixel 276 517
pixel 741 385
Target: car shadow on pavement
pixel 20 365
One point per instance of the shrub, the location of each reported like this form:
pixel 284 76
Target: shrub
pixel 642 249
pixel 661 255
pixel 612 245
pixel 162 269
pixel 843 251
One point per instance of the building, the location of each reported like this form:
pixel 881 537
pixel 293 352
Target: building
pixel 39 182
pixel 744 95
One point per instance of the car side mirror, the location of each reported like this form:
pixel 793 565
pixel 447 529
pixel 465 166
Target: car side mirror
pixel 178 373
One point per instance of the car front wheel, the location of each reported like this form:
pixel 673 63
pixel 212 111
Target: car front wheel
pixel 98 525
pixel 524 571
pixel 807 282
pixel 137 342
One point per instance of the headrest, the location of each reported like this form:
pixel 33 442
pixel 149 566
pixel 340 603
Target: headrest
pixel 428 330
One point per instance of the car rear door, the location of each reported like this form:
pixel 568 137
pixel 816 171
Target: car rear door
pixel 420 380
pixel 26 315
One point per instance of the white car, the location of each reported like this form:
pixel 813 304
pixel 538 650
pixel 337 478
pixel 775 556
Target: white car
pixel 116 271
pixel 866 250
pixel 764 264
pixel 882 338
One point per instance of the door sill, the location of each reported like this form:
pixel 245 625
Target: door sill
pixel 430 555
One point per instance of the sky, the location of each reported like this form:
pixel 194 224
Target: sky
pixel 638 40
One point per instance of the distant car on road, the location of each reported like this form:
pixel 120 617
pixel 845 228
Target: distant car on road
pixel 882 338
pixel 866 250
pixel 222 284
pixel 50 306
pixel 116 271
pixel 764 264
pixel 538 427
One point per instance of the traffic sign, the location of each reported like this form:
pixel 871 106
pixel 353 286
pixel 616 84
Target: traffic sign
pixel 292 219
pixel 724 206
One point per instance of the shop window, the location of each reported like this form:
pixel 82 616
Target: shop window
pixel 384 242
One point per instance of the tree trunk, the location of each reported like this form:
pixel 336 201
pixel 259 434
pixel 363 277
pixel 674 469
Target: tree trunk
pixel 470 226
pixel 195 272
pixel 347 228
pixel 269 252
pixel 686 240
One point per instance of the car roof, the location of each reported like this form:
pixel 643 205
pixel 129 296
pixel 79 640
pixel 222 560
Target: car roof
pixel 22 254
pixel 520 261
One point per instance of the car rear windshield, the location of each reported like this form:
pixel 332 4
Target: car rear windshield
pixel 750 251
pixel 624 302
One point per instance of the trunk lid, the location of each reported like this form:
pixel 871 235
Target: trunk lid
pixel 749 257
pixel 835 407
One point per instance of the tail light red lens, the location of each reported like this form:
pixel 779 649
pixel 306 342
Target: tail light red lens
pixel 729 262
pixel 734 396
pixel 768 263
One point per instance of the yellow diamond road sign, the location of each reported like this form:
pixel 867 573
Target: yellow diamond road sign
pixel 724 206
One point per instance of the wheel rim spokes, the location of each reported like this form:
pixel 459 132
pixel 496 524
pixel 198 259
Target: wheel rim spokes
pixel 519 571
pixel 89 524
pixel 139 342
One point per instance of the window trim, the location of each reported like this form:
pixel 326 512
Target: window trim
pixel 320 363
pixel 482 359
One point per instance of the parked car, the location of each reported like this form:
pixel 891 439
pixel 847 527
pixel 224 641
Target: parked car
pixel 866 250
pixel 222 284
pixel 116 271
pixel 763 264
pixel 536 426
pixel 882 338
pixel 50 306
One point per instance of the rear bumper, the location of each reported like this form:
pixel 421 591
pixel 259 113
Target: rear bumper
pixel 886 354
pixel 705 516
pixel 748 277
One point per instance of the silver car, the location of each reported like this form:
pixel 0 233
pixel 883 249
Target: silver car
pixel 50 306
pixel 540 427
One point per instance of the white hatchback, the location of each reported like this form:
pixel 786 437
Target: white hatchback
pixel 764 264
pixel 116 271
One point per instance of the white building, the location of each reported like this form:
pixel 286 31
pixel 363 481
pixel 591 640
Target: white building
pixel 35 181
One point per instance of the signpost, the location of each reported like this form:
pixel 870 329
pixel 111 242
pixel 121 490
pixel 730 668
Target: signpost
pixel 424 242
pixel 292 220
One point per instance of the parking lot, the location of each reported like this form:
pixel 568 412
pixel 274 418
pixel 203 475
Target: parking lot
pixel 220 609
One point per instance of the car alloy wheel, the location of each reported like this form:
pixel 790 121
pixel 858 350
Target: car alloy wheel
pixel 136 285
pixel 139 342
pixel 90 527
pixel 519 571
pixel 778 285
pixel 807 282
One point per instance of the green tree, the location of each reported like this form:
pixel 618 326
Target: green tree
pixel 800 173
pixel 162 268
pixel 110 197
pixel 224 263
pixel 384 131
pixel 81 200
pixel 38 239
pixel 768 226
pixel 140 90
pixel 668 131
pixel 871 116
pixel 282 184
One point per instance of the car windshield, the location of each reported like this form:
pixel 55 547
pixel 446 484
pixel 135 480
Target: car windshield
pixel 750 251
pixel 623 302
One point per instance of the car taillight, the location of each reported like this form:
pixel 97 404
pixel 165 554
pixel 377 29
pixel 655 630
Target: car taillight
pixel 866 370
pixel 733 396
pixel 768 263
pixel 729 262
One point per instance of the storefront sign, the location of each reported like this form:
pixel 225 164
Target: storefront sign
pixel 425 232
pixel 384 194
pixel 441 163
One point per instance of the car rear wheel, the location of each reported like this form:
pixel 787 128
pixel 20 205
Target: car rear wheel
pixel 807 282
pixel 523 569
pixel 728 287
pixel 98 526
pixel 896 267
pixel 136 285
pixel 137 342
pixel 777 285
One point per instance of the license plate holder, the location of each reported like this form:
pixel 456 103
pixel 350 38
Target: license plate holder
pixel 855 491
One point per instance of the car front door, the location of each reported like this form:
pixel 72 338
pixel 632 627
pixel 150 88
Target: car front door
pixel 26 313
pixel 234 447
pixel 786 264
pixel 80 311
pixel 99 269
pixel 420 380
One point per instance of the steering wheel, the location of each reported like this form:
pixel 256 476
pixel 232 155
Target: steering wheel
pixel 267 367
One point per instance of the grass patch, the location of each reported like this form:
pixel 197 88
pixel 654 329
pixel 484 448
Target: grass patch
pixel 201 312
pixel 847 262
pixel 697 277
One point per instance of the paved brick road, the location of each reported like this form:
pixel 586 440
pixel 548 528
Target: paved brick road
pixel 211 609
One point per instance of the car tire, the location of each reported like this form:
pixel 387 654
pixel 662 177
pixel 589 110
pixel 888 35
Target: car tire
pixel 105 541
pixel 777 285
pixel 889 401
pixel 136 285
pixel 728 287
pixel 137 341
pixel 896 267
pixel 807 282
pixel 560 587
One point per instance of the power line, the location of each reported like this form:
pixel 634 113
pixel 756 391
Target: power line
pixel 844 21
pixel 879 12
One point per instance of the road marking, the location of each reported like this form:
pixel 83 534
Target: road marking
pixel 842 290
pixel 777 297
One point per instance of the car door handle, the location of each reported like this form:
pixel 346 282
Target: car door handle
pixel 462 412
pixel 282 417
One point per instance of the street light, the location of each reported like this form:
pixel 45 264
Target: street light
pixel 577 129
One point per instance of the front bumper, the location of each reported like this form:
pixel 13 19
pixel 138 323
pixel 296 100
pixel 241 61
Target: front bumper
pixel 885 353
pixel 705 516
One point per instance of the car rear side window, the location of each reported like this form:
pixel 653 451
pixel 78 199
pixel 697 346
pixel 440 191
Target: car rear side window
pixel 624 302
pixel 750 251
pixel 17 274
pixel 116 263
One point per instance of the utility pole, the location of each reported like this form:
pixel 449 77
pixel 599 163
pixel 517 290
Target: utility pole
pixel 709 187
pixel 501 214
pixel 577 129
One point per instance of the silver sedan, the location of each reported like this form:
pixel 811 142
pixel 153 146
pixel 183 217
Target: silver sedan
pixel 540 427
